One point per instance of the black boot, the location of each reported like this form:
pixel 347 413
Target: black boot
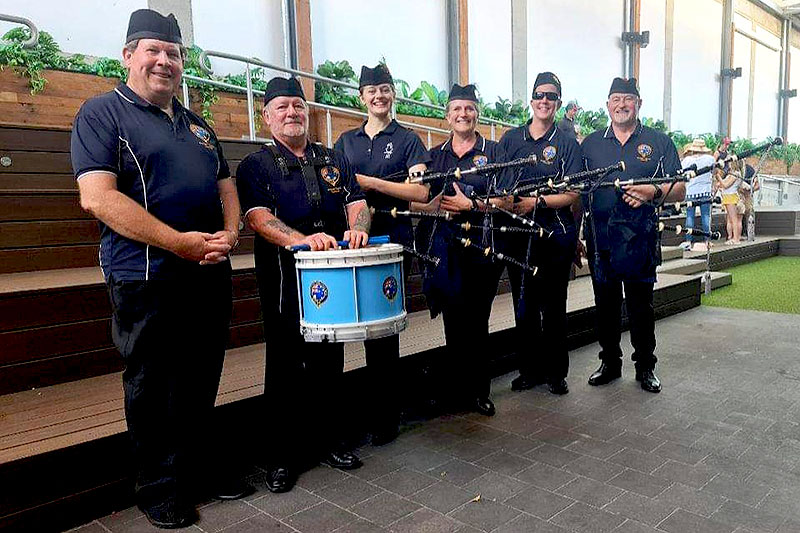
pixel 605 374
pixel 649 380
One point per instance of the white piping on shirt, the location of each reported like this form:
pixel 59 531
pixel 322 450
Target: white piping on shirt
pixel 123 96
pixel 144 195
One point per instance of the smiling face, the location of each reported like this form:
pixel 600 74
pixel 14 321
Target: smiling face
pixel 154 69
pixel 287 117
pixel 378 99
pixel 462 115
pixel 544 108
pixel 623 108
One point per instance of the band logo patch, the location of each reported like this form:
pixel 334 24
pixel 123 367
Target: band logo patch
pixel 203 135
pixel 480 160
pixel 390 288
pixel 645 152
pixel 388 151
pixel 319 293
pixel 549 153
pixel 331 175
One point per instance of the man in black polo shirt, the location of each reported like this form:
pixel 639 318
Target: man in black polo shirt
pixel 154 174
pixel 622 232
pixel 540 301
pixel 297 192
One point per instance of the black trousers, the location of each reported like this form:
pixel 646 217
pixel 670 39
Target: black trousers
pixel 304 400
pixel 641 317
pixel 383 371
pixel 172 336
pixel 465 313
pixel 540 306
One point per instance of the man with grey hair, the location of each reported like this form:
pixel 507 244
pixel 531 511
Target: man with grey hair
pixel 154 174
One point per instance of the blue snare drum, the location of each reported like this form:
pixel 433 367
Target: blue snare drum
pixel 351 295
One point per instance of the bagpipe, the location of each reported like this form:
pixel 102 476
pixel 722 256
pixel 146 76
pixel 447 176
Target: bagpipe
pixel 455 174
pixel 547 183
pixel 682 175
pixel 678 229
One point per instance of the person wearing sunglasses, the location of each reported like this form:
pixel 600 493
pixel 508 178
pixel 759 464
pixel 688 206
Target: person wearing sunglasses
pixel 540 300
pixel 622 232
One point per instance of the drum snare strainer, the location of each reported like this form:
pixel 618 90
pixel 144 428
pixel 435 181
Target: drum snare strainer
pixel 351 295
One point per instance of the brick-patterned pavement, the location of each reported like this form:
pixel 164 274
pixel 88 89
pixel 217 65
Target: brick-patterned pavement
pixel 717 451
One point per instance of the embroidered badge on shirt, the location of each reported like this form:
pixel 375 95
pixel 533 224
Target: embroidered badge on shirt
pixel 331 175
pixel 319 293
pixel 645 152
pixel 480 160
pixel 203 135
pixel 549 153
pixel 390 288
pixel 387 152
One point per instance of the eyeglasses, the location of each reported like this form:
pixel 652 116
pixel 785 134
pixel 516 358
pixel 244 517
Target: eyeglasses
pixel 549 95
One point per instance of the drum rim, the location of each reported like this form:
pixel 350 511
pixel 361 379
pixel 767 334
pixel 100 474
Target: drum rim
pixel 380 249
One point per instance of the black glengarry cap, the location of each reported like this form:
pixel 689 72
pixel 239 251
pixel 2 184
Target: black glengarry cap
pixel 283 87
pixel 149 24
pixel 547 77
pixel 624 86
pixel 375 76
pixel 462 92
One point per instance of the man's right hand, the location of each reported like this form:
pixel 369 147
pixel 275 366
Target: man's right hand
pixel 320 241
pixel 195 246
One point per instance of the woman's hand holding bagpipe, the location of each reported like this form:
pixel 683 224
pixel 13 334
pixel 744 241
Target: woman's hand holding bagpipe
pixel 636 195
pixel 356 238
pixel 456 203
pixel 319 241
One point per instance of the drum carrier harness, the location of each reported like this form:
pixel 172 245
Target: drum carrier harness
pixel 308 167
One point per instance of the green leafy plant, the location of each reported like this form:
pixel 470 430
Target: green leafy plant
pixel 656 124
pixel 29 62
pixel 788 153
pixel 589 121
pixel 336 95
pixel 208 96
pixel 680 139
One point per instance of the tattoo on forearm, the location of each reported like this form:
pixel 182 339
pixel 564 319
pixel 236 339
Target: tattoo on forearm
pixel 280 226
pixel 363 221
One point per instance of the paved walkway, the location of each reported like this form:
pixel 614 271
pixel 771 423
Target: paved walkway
pixel 717 451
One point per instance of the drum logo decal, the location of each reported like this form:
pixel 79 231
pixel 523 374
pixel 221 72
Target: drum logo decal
pixel 319 293
pixel 203 135
pixel 331 175
pixel 549 153
pixel 479 160
pixel 645 152
pixel 390 288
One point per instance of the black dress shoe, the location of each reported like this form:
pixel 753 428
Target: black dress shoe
pixel 650 381
pixel 605 374
pixel 170 514
pixel 231 488
pixel 558 386
pixel 523 382
pixel 383 436
pixel 484 406
pixel 279 479
pixel 342 460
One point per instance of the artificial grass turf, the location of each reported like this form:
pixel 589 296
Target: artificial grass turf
pixel 771 284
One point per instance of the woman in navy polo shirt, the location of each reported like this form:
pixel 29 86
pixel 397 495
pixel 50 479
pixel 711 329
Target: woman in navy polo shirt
pixel 541 300
pixel 464 284
pixel 378 148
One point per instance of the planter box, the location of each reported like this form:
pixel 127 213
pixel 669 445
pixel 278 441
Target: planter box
pixel 65 92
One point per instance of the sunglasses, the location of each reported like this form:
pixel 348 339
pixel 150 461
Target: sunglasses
pixel 549 95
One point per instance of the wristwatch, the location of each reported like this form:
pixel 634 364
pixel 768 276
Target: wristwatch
pixel 658 192
pixel 541 202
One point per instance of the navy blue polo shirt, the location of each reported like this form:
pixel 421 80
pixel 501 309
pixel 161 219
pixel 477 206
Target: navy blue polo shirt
pixel 261 184
pixel 168 166
pixel 393 149
pixel 555 153
pixel 647 153
pixel 443 158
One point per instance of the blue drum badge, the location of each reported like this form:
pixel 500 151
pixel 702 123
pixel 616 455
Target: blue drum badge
pixel 319 293
pixel 549 153
pixel 390 288
pixel 479 160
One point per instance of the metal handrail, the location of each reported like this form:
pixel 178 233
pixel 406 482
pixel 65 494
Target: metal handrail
pixel 204 55
pixel 34 40
pixel 328 109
